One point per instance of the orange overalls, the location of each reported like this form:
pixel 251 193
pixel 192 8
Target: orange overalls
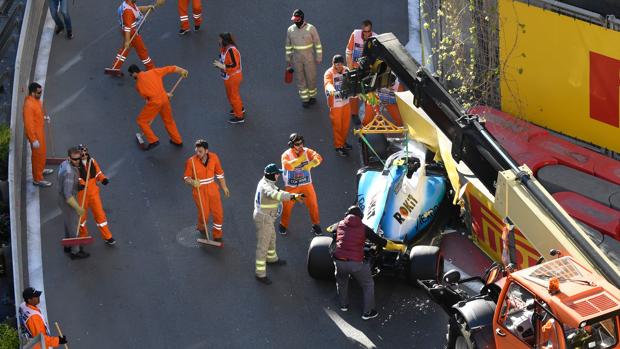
pixel 232 76
pixel 339 108
pixel 93 201
pixel 129 19
pixel 298 180
pixel 35 131
pixel 209 191
pixel 354 51
pixel 388 99
pixel 33 324
pixel 182 6
pixel 150 86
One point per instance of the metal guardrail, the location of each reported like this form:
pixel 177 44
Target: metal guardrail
pixel 24 67
pixel 40 339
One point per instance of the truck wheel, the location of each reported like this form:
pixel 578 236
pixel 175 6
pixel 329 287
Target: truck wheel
pixel 425 263
pixel 320 262
pixel 456 337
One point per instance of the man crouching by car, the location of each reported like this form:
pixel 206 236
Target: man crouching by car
pixel 350 237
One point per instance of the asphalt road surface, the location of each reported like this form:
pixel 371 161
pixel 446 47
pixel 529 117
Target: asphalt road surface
pixel 156 288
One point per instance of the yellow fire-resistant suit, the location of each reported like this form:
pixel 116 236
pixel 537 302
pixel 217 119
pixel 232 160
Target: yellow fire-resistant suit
pixel 267 207
pixel 298 47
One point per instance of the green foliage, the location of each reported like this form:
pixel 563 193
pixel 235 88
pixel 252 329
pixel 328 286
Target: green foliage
pixel 464 48
pixel 5 141
pixel 9 339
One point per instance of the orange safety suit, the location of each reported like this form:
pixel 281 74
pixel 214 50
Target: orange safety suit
pixel 35 131
pixel 339 108
pixel 232 75
pixel 299 180
pixel 354 51
pixel 388 99
pixel 93 201
pixel 197 6
pixel 33 324
pixel 150 86
pixel 206 173
pixel 129 18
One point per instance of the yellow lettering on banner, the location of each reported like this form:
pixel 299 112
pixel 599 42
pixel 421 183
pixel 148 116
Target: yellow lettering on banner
pixel 548 76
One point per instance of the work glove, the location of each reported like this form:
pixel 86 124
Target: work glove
pixel 126 45
pixel 62 340
pixel 105 181
pixel 226 191
pixel 311 164
pixel 36 144
pixel 393 246
pixel 195 183
pixel 47 118
pixel 219 64
pixel 184 73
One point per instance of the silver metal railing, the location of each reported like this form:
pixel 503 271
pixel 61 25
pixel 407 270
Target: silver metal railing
pixel 24 67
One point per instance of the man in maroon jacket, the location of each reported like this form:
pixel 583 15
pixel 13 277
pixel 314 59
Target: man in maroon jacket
pixel 350 237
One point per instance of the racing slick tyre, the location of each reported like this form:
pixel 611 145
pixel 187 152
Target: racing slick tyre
pixel 320 262
pixel 425 263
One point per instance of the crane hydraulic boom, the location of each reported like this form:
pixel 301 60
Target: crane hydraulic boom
pixel 475 146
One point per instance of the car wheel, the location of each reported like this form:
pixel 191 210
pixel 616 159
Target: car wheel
pixel 425 263
pixel 320 262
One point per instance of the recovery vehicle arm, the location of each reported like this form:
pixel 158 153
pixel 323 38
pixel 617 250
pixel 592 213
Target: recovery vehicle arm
pixel 518 195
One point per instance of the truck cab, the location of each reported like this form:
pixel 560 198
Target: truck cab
pixel 556 304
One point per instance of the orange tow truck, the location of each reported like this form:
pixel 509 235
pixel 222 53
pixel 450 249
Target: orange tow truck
pixel 555 304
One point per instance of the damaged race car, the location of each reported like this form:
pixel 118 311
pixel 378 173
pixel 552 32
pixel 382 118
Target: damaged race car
pixel 405 200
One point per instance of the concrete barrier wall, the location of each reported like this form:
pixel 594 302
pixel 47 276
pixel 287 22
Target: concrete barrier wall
pixel 24 67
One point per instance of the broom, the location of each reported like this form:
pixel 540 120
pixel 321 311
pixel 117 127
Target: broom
pixel 206 241
pixel 80 240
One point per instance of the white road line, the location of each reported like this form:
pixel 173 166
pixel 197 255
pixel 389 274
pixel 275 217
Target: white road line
pixel 33 211
pixel 348 330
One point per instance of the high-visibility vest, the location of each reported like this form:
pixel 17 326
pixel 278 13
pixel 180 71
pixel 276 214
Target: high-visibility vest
pixel 25 313
pixel 298 176
pixel 268 198
pixel 358 45
pixel 387 95
pixel 228 72
pixel 137 15
pixel 335 78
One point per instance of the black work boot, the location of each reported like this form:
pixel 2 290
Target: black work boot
pixel 279 262
pixel 265 280
pixel 282 230
pixel 316 230
pixel 305 104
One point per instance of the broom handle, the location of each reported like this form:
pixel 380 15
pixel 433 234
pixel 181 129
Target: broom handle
pixel 133 36
pixel 77 231
pixel 51 133
pixel 175 85
pixel 60 333
pixel 204 220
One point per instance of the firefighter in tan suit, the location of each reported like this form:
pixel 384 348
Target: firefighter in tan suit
pixel 267 207
pixel 301 38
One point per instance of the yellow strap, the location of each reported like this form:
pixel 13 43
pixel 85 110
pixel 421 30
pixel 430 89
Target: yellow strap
pixel 269 205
